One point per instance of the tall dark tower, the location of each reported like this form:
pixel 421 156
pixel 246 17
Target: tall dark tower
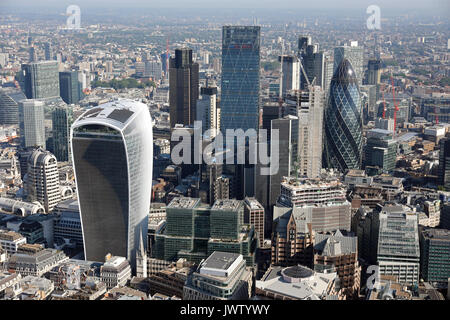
pixel 183 80
pixel 343 121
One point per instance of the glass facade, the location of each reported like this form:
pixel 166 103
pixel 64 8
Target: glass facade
pixel 240 77
pixel 343 121
pixel 70 87
pixel 31 123
pixel 61 121
pixel 112 154
pixel 41 80
pixel 9 110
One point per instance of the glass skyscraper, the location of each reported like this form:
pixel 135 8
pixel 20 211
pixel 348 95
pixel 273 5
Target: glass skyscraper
pixel 343 121
pixel 9 105
pixel 240 77
pixel 61 121
pixel 112 155
pixel 31 123
pixel 40 80
pixel 70 87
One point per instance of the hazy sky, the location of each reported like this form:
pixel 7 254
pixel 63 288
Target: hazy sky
pixel 407 5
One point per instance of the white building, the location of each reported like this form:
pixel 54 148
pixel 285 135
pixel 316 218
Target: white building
pixel 115 272
pixel 43 179
pixel 10 241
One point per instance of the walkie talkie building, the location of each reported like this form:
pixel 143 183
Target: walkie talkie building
pixel 343 121
pixel 112 149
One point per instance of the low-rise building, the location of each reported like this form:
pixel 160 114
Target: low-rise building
pixel 10 241
pixel 115 272
pixel 36 264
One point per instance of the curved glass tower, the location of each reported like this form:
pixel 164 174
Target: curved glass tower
pixel 112 150
pixel 343 121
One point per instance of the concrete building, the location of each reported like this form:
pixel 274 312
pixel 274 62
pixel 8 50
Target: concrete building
pixel 298 283
pixel 207 111
pixel 10 241
pixel 254 215
pixel 43 179
pixel 398 251
pixel 291 74
pixel 115 272
pixel 31 123
pixel 36 264
pixel 222 276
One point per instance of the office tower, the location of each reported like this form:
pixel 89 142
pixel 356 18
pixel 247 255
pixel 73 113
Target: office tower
pixel 61 122
pixel 40 80
pixel 328 70
pixel 240 77
pixel 48 51
pixel 270 111
pixel 112 155
pixel 310 121
pixel 321 201
pixel 31 123
pixel 222 276
pixel 291 74
pixel 287 148
pixel 194 231
pixel 434 255
pixel 338 252
pixel 374 71
pixel 32 55
pixel 207 110
pixel 435 108
pixel 184 89
pixel 164 62
pixel 380 150
pixel 254 215
pixel 355 55
pixel 444 163
pixel 398 251
pixel 70 87
pixel 313 63
pixel 433 211
pixel 43 179
pixel 9 105
pixel 343 121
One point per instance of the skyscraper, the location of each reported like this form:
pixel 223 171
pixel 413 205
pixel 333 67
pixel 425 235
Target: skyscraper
pixel 48 51
pixel 70 87
pixel 444 163
pixel 291 76
pixel 380 150
pixel 31 123
pixel 112 156
pixel 9 105
pixel 355 55
pixel 40 80
pixel 343 121
pixel 207 111
pixel 184 88
pixel 61 121
pixel 310 121
pixel 240 77
pixel 43 179
pixel 313 63
pixel 374 74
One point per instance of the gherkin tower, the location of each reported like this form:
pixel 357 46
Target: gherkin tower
pixel 343 121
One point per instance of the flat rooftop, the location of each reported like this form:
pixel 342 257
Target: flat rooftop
pixel 226 204
pixel 183 203
pixel 220 260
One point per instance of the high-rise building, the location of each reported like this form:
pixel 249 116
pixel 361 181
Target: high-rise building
pixel 254 215
pixel 287 148
pixel 310 121
pixel 61 122
pixel 291 74
pixel 398 244
pixel 112 155
pixel 313 63
pixel 32 55
pixel 48 51
pixel 240 77
pixel 374 72
pixel 434 255
pixel 380 150
pixel 328 68
pixel 207 111
pixel 31 123
pixel 9 105
pixel 40 80
pixel 444 163
pixel 343 121
pixel 70 87
pixel 184 88
pixel 355 55
pixel 43 179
